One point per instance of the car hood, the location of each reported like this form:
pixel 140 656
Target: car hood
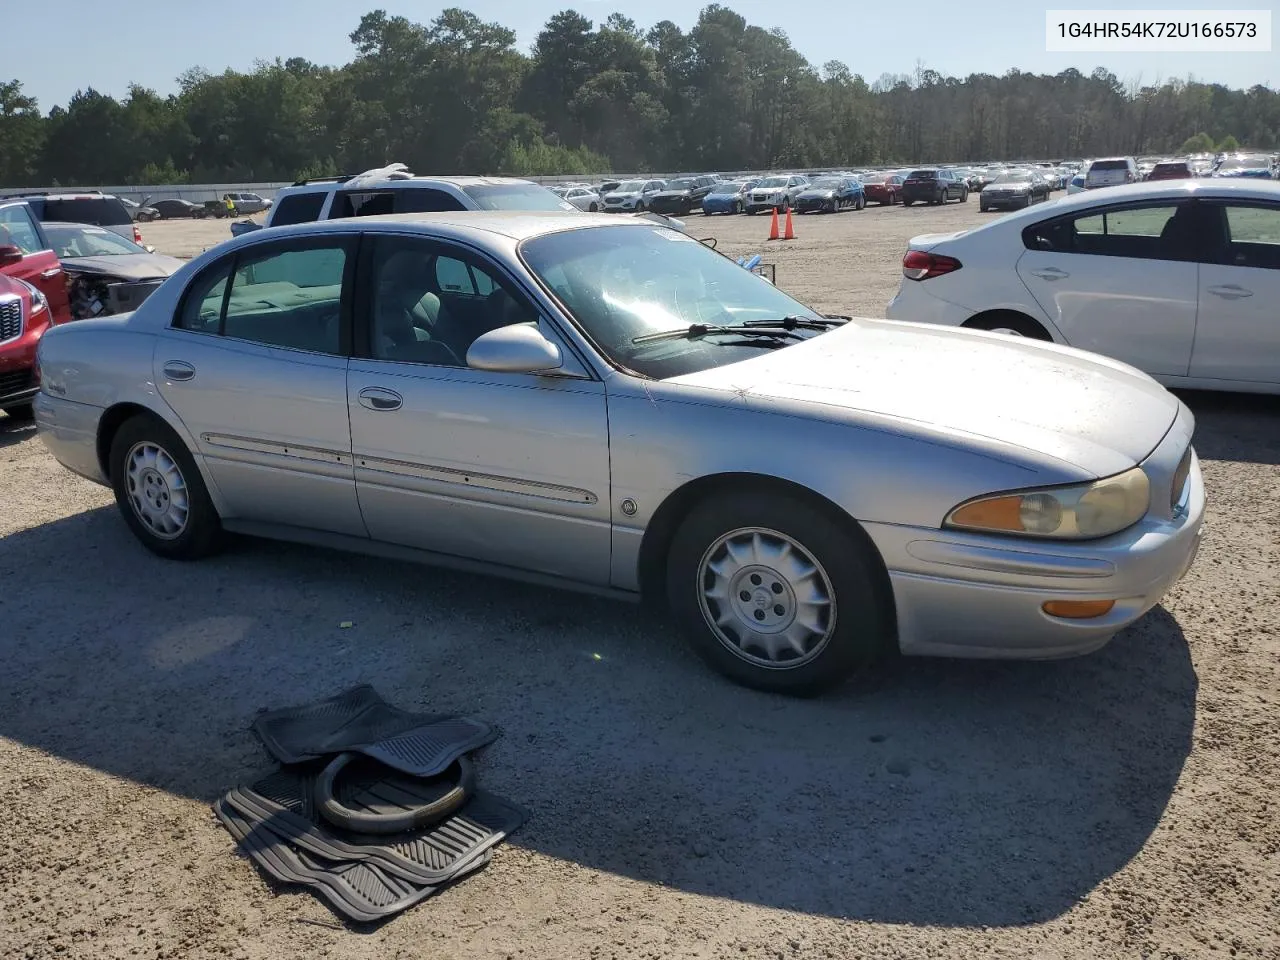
pixel 619 195
pixel 1095 414
pixel 825 193
pixel 674 194
pixel 141 266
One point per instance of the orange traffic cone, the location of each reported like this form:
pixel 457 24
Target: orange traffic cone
pixel 773 229
pixel 790 233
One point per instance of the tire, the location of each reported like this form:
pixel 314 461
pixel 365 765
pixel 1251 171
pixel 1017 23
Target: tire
pixel 200 531
pixel 964 195
pixel 861 202
pixel 982 207
pixel 1013 324
pixel 594 208
pixel 906 202
pixel 738 207
pixel 23 411
pixel 639 206
pixel 849 633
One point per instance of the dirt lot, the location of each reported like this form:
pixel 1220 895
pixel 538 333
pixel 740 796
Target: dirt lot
pixel 1120 805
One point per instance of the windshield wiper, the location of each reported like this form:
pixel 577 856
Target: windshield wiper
pixel 696 331
pixel 801 323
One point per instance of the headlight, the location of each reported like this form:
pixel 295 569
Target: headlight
pixel 38 300
pixel 1083 511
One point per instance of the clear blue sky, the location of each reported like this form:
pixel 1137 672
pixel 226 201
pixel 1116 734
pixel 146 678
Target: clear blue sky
pixel 101 45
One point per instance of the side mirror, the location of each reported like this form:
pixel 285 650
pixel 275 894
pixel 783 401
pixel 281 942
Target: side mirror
pixel 9 255
pixel 518 348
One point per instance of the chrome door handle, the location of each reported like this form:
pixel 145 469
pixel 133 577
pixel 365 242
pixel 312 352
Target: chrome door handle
pixel 379 398
pixel 1050 274
pixel 1231 292
pixel 51 272
pixel 178 370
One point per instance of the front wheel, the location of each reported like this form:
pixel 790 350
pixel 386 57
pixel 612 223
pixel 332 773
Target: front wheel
pixel 964 195
pixel 906 202
pixel 774 595
pixel 737 207
pixel 640 206
pixel 160 491
pixel 23 411
pixel 594 208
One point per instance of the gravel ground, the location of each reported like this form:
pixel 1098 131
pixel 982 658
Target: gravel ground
pixel 1118 805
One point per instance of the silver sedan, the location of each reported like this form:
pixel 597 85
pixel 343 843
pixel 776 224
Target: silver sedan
pixel 611 405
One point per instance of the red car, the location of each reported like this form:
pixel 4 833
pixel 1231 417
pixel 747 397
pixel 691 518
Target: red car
pixel 26 253
pixel 33 297
pixel 1170 170
pixel 24 317
pixel 885 190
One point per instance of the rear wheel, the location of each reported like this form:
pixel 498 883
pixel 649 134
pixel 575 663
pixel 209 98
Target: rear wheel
pixel 964 194
pixel 774 595
pixel 906 202
pixel 1009 323
pixel 160 491
pixel 594 208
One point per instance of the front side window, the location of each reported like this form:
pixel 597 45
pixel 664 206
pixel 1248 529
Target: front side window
pixel 18 229
pixel 279 297
pixel 430 302
pixel 620 283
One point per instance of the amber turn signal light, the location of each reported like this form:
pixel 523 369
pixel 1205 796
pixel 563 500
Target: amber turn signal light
pixel 1078 609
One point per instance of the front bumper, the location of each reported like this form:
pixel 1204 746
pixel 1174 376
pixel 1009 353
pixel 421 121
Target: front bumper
pixel 976 596
pixel 618 206
pixel 814 206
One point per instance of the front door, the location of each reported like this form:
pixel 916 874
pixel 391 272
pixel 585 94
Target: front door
pixel 1238 332
pixel 506 468
pixel 255 365
pixel 1122 282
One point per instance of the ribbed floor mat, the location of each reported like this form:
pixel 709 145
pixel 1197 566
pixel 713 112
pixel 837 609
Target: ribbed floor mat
pixel 359 720
pixel 283 802
pixel 359 890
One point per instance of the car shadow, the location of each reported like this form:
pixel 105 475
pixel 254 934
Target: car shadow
pixel 13 430
pixel 1243 427
pixel 927 792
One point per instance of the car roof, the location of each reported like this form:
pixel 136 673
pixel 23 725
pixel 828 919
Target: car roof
pixel 515 225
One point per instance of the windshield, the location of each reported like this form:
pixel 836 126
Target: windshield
pixel 630 186
pixel 515 196
pixel 1013 176
pixel 825 183
pixel 619 283
pixel 773 182
pixel 89 242
pixel 680 184
pixel 723 188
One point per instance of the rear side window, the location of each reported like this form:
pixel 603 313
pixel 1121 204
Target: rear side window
pixel 371 203
pixel 1164 232
pixel 426 200
pixel 298 208
pixel 101 212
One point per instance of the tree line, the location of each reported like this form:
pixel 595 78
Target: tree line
pixel 456 95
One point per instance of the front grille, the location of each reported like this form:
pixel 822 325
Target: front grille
pixel 10 318
pixel 16 382
pixel 1180 477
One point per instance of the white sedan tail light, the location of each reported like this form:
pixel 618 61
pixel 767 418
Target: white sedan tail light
pixel 919 265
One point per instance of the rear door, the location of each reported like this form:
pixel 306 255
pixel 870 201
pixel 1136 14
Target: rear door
pixel 1238 330
pixel 255 365
pixel 1122 281
pixel 39 265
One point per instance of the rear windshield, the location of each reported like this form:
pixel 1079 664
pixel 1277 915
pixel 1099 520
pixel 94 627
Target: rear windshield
pixel 515 196
pixel 1109 165
pixel 1171 166
pixel 923 175
pixel 100 211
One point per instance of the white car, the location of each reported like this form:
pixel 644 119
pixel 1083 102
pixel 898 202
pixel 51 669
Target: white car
pixel 584 198
pixel 1179 278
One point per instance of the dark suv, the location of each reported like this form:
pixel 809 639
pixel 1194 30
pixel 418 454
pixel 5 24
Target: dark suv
pixel 933 186
pixel 99 209
pixel 682 195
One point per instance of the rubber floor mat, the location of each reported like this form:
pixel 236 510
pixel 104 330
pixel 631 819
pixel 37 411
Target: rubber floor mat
pixel 421 744
pixel 284 803
pixel 358 890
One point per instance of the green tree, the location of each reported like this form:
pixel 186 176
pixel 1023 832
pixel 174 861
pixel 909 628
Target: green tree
pixel 1228 143
pixel 21 135
pixel 1200 143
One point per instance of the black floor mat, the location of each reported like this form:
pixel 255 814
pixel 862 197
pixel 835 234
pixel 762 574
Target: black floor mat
pixel 358 890
pixel 283 802
pixel 359 720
